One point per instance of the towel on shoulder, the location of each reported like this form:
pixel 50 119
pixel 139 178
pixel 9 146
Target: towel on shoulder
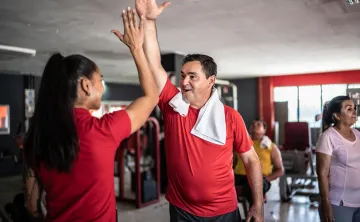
pixel 210 124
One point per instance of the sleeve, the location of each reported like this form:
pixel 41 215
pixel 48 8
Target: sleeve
pixel 324 144
pixel 242 139
pixel 119 124
pixel 168 92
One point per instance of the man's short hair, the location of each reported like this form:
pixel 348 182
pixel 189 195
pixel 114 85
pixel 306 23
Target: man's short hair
pixel 208 64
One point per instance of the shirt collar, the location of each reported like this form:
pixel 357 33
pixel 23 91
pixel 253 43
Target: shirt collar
pixel 81 111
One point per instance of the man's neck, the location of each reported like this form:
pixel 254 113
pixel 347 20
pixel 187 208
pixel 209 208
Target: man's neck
pixel 200 103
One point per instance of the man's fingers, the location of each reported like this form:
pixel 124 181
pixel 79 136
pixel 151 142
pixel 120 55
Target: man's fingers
pixel 164 5
pixel 135 18
pixel 118 34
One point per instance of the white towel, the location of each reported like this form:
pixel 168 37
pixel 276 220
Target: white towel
pixel 179 105
pixel 265 143
pixel 210 124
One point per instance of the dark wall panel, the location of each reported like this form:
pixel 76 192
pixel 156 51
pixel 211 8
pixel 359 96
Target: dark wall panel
pixel 247 90
pixel 124 92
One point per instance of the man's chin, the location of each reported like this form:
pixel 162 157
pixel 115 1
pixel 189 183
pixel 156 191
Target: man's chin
pixel 185 98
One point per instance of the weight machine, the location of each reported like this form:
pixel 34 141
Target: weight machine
pixel 298 160
pixel 139 155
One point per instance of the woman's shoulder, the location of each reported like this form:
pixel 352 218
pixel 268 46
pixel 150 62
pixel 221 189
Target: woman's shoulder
pixel 330 135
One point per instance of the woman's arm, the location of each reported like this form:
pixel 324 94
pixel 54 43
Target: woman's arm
pixel 322 170
pixel 133 37
pixel 324 151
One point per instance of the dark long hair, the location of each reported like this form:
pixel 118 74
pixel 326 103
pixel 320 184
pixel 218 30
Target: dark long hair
pixel 330 108
pixel 52 137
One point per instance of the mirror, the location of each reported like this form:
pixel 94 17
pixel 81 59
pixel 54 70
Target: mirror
pixel 4 119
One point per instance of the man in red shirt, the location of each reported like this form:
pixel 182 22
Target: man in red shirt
pixel 200 174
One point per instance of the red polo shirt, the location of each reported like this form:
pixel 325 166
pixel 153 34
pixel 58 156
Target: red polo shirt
pixel 200 174
pixel 87 192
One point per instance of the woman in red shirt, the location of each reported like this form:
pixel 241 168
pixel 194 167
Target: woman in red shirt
pixel 69 153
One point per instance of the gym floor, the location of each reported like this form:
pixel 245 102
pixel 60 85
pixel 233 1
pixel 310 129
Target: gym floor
pixel 298 208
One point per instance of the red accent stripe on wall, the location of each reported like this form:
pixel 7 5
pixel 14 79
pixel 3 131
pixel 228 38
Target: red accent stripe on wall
pixel 318 78
pixel 266 103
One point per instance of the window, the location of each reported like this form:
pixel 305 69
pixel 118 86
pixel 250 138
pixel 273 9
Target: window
pixel 290 95
pixel 331 91
pixel 305 102
pixel 352 86
pixel 309 103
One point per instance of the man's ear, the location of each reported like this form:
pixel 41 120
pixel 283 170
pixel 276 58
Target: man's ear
pixel 212 80
pixel 85 85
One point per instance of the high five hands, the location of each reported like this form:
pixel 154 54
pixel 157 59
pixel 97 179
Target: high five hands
pixel 133 35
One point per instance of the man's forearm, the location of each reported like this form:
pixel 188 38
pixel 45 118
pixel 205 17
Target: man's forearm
pixel 254 175
pixel 152 53
pixel 151 45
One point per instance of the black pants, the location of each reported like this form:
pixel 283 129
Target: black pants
pixel 241 180
pixel 179 215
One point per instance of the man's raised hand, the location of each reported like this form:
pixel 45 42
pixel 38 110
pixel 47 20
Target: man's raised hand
pixel 150 9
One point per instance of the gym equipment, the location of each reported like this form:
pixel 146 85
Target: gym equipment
pixel 227 92
pixel 298 160
pixel 140 154
pixel 354 95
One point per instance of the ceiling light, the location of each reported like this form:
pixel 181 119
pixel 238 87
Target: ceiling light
pixel 18 49
pixel 351 2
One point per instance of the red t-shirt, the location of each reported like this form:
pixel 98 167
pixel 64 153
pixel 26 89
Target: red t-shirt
pixel 87 192
pixel 200 174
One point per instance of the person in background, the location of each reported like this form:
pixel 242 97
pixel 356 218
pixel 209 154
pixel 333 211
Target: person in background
pixel 70 154
pixel 338 162
pixel 269 156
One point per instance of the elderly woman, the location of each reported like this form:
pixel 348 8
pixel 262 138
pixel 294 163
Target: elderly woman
pixel 338 162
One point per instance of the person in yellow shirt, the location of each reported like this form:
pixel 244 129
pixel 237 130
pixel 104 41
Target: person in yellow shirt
pixel 269 156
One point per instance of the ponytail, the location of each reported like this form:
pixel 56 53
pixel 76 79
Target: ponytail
pixel 52 138
pixel 326 122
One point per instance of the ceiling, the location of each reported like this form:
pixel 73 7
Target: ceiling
pixel 246 38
